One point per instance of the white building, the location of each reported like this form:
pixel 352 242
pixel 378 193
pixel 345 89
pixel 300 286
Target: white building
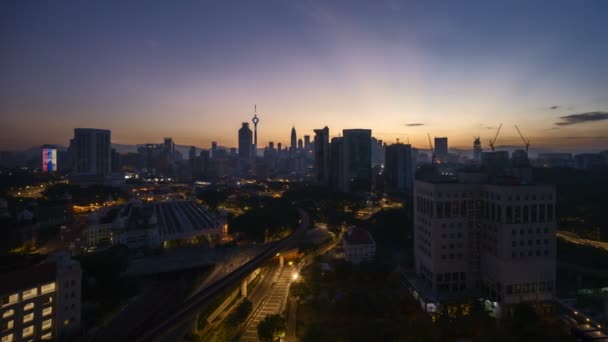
pixel 495 240
pixel 41 302
pixel 358 245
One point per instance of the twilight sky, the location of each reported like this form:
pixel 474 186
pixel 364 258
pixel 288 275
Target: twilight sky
pixel 194 70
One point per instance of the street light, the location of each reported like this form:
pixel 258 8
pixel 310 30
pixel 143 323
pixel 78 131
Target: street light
pixel 295 276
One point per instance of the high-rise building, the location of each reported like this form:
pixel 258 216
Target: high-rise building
pixel 294 138
pixel 399 167
pixel 307 142
pixel 169 146
pixel 271 145
pixel 92 151
pixel 255 121
pixel 441 149
pixel 42 302
pixel 245 147
pixel 322 155
pixel 356 161
pixel 377 152
pixel 336 168
pixel 49 158
pixel 300 144
pixel 477 150
pixel 213 149
pixel 279 147
pixel 475 238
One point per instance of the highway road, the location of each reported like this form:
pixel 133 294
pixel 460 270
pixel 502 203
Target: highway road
pixel 574 238
pixel 192 306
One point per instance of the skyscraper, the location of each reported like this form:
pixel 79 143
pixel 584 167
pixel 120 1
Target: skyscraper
pixel 399 167
pixel 169 146
pixel 255 121
pixel 49 158
pixel 213 149
pixel 300 144
pixel 307 142
pixel 321 165
pixel 477 150
pixel 245 147
pixel 336 169
pixel 294 138
pixel 92 151
pixel 356 159
pixel 441 149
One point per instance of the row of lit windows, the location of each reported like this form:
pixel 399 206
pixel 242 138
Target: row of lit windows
pixel 29 331
pixel 27 294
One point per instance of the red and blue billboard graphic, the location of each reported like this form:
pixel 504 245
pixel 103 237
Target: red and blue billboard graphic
pixel 49 159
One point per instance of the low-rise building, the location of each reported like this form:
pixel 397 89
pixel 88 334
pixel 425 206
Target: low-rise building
pixel 358 245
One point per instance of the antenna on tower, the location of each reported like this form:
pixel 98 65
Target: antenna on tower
pixel 255 108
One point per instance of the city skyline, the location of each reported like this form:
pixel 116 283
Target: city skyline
pixel 193 72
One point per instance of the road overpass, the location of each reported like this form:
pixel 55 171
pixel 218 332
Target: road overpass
pixel 191 307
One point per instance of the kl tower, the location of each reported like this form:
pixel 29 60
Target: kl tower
pixel 255 121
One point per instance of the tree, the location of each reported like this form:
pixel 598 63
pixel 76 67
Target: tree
pixel 213 198
pixel 271 328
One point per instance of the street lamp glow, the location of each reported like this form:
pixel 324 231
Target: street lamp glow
pixel 295 276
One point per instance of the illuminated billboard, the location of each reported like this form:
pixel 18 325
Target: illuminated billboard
pixel 49 159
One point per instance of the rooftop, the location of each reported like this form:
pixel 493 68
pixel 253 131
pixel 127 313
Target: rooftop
pixel 358 236
pixel 27 278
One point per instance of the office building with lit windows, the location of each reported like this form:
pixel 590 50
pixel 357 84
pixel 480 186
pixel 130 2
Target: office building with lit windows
pixel 41 302
pixel 488 240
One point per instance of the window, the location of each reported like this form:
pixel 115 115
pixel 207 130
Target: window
pixel 28 306
pixel 47 324
pixel 27 332
pixel 47 288
pixel 47 336
pixel 8 313
pixel 9 325
pixel 9 300
pixel 47 311
pixel 7 338
pixel 28 318
pixel 30 293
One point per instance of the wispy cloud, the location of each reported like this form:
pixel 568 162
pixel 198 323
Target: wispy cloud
pixel 414 124
pixel 582 118
pixel 554 107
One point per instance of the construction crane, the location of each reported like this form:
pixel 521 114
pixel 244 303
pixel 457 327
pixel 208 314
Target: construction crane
pixel 432 148
pixel 526 142
pixel 495 137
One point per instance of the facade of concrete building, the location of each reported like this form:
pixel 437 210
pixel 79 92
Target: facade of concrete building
pixel 494 240
pixel 358 245
pixel 42 302
pixel 399 167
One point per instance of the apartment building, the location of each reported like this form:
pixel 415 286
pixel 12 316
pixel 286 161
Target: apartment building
pixel 492 240
pixel 42 302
